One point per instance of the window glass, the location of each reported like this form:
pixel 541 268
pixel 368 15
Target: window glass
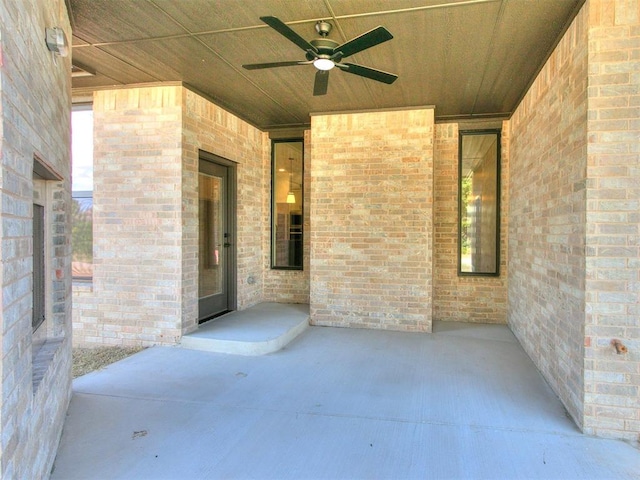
pixel 82 149
pixel 479 203
pixel 82 187
pixel 287 207
pixel 38 317
pixel 82 235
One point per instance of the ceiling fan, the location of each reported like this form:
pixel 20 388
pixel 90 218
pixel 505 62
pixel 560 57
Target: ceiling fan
pixel 324 53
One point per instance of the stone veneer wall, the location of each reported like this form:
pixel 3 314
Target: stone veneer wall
pixel 547 212
pixel 372 219
pixel 612 381
pixel 460 298
pixel 147 139
pixel 35 96
pixel 287 286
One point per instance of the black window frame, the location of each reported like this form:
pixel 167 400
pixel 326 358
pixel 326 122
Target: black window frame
pixel 272 255
pixel 461 134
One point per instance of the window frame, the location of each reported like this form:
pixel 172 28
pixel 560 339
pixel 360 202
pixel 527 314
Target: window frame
pixel 75 194
pixel 461 134
pixel 39 288
pixel 274 172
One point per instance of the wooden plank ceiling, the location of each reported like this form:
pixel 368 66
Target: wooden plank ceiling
pixel 468 58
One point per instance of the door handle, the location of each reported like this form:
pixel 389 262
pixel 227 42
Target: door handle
pixel 226 245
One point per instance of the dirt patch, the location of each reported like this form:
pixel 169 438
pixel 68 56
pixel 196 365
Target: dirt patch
pixel 86 360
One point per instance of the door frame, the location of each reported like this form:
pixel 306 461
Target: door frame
pixel 232 196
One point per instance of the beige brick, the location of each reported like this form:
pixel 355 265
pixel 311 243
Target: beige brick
pixel 479 299
pixel 35 392
pixel 145 212
pixel 547 204
pixel 371 220
pixel 547 299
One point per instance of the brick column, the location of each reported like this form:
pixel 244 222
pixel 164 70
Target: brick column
pixel 547 169
pixel 372 219
pixel 137 216
pixel 613 221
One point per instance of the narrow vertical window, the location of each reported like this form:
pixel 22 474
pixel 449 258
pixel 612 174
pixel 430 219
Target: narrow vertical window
pixel 287 206
pixel 82 235
pixel 479 203
pixel 48 231
pixel 82 192
pixel 38 316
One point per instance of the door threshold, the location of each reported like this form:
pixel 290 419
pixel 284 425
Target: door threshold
pixel 214 316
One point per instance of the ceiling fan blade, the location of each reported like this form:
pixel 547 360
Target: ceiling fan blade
pixel 367 72
pixel 366 40
pixel 258 66
pixel 284 30
pixel 321 83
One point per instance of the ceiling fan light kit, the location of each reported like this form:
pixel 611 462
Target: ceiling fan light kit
pixel 323 63
pixel 325 54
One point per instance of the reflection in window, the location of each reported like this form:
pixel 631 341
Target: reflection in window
pixel 82 148
pixel 479 202
pixel 287 208
pixel 210 280
pixel 39 267
pixel 82 187
pixel 82 235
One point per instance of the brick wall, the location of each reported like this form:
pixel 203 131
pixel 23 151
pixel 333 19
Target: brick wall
pixel 612 381
pixel 214 130
pixel 547 218
pixel 287 286
pixel 455 298
pixel 145 283
pixel 372 219
pixel 136 296
pixel 35 98
pixel 381 212
pixel 574 231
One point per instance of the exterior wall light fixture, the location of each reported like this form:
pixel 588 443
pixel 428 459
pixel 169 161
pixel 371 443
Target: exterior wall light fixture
pixel 57 41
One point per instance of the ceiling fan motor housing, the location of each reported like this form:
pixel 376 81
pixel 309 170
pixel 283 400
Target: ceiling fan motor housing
pixel 325 47
pixel 323 28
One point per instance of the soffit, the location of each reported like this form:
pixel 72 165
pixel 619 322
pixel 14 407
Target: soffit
pixel 469 58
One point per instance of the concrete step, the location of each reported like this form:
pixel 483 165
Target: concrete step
pixel 259 330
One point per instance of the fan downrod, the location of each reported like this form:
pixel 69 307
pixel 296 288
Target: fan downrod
pixel 323 28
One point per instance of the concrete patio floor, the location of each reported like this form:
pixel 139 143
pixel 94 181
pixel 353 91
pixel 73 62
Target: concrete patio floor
pixel 464 402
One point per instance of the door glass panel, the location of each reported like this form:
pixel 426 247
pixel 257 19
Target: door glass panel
pixel 216 228
pixel 211 236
